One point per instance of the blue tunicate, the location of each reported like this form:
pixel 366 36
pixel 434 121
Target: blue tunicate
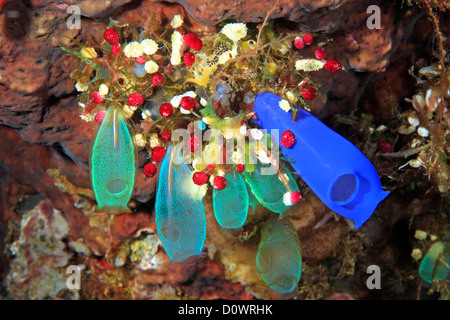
pixel 180 215
pixel 338 172
pixel 231 204
pixel 278 259
pixel 139 70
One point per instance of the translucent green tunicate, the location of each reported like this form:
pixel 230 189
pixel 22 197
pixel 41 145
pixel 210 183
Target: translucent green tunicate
pixel 278 259
pixel 252 201
pixel 113 163
pixel 436 264
pixel 180 214
pixel 231 204
pixel 269 189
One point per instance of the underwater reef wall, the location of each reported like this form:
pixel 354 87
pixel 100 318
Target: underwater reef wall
pixel 44 154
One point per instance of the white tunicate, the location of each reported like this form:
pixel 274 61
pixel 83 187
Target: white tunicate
pixel 381 128
pixel 256 134
pixel 413 121
pixel 287 199
pixel 423 132
pixel 416 163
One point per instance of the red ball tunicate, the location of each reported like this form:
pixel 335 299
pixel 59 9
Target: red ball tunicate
pixel 166 134
pixel 307 39
pixel 296 197
pixel 320 53
pixel 135 99
pixel 158 153
pixel 200 178
pixel 308 93
pixel 298 43
pixel 149 170
pixel 96 97
pixel 209 167
pixel 287 139
pixel 111 36
pixel 100 116
pixel 140 60
pixel 385 146
pixel 157 79
pixel 189 59
pixel 166 110
pixel 220 182
pixel 187 103
pixel 192 41
pixel 332 65
pixel 115 49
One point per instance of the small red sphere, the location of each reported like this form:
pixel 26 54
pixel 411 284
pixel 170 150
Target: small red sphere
pixel 166 134
pixel 158 153
pixel 385 146
pixel 96 97
pixel 189 59
pixel 166 110
pixel 307 39
pixel 308 93
pixel 187 103
pixel 240 168
pixel 220 182
pixel 332 65
pixel 287 139
pixel 209 167
pixel 100 116
pixel 140 60
pixel 296 197
pixel 192 41
pixel 194 143
pixel 111 36
pixel 149 170
pixel 115 49
pixel 320 53
pixel 157 79
pixel 298 43
pixel 200 178
pixel 135 99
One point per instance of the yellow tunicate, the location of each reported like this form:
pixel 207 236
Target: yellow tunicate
pixel 88 53
pixel 420 235
pixel 416 254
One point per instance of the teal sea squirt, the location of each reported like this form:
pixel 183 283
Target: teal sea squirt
pixel 436 264
pixel 269 189
pixel 180 214
pixel 278 259
pixel 113 163
pixel 231 204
